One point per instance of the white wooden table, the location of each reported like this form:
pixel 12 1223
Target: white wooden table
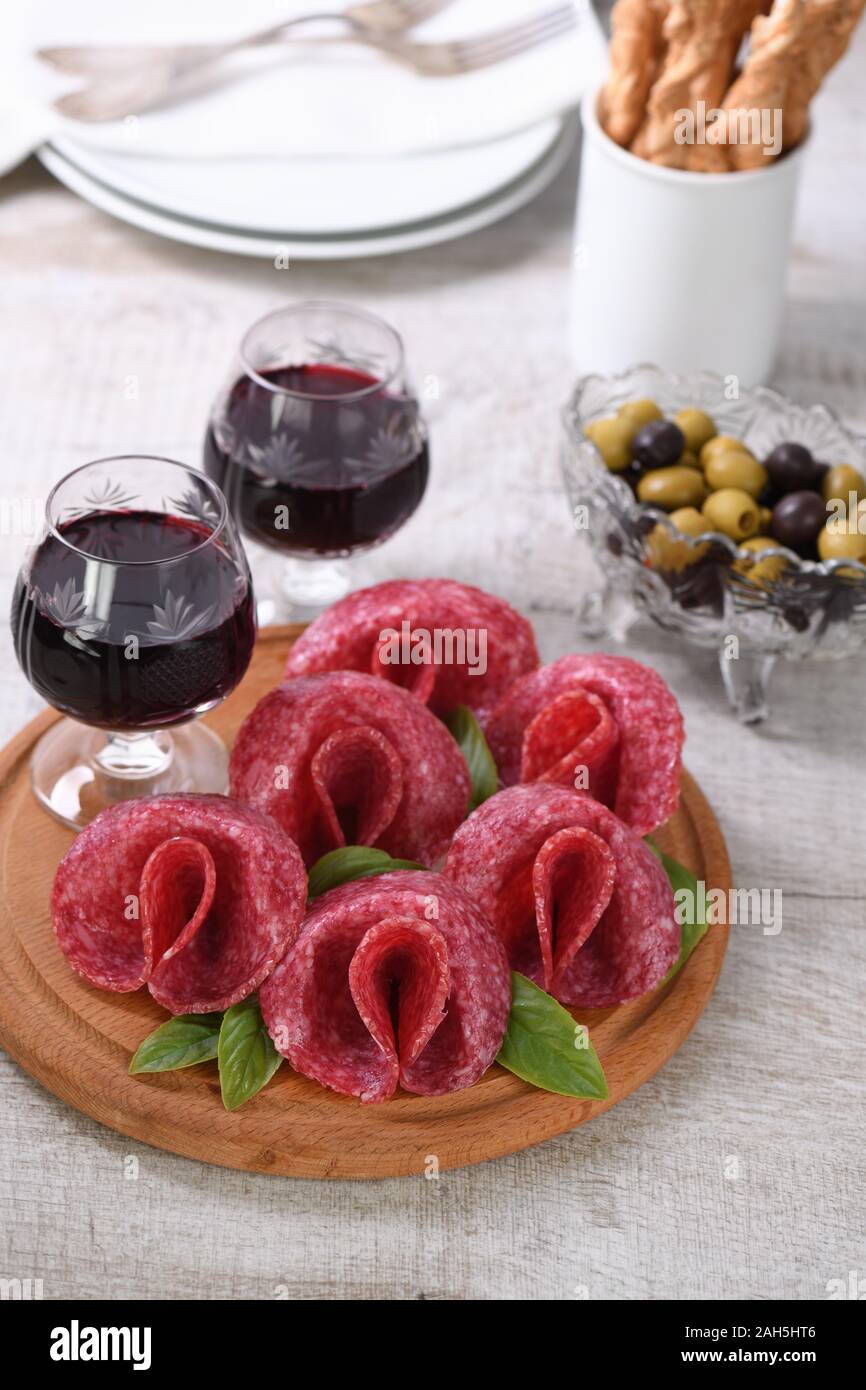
pixel 738 1171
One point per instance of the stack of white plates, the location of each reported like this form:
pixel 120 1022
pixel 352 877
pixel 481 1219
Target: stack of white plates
pixel 325 152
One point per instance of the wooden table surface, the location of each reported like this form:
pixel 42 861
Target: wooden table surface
pixel 737 1171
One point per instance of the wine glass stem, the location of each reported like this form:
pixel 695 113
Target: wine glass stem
pixel 312 585
pixel 135 755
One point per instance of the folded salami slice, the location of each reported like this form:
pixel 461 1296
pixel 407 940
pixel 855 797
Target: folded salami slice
pixel 582 905
pixel 393 979
pixel 195 896
pixel 450 644
pixel 608 715
pixel 342 758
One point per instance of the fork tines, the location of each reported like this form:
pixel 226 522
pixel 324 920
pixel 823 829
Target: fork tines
pixel 465 55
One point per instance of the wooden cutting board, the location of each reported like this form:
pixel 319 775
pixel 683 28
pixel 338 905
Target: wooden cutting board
pixel 78 1040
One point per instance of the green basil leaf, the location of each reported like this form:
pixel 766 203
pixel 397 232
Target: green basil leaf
pixel 683 882
pixel 546 1047
pixel 182 1041
pixel 351 862
pixel 247 1057
pixel 474 747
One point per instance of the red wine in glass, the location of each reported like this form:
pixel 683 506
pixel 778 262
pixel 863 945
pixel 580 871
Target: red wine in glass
pixel 133 615
pixel 327 482
pixel 157 657
pixel 318 443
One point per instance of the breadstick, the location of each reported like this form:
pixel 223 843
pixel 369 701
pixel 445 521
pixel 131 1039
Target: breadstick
pixel 703 38
pixel 829 25
pixel 764 83
pixel 636 49
pixel 790 55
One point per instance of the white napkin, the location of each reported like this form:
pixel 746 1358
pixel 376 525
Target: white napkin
pixel 308 102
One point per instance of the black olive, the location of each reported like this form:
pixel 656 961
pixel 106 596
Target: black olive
pixel 658 444
pixel 798 519
pixel 791 468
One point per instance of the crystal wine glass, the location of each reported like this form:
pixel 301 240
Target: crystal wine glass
pixel 133 615
pixel 318 443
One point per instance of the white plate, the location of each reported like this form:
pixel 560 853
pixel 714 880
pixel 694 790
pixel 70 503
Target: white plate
pixel 311 100
pixel 316 197
pixel 387 241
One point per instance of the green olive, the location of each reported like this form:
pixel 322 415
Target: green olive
pixel 639 413
pixel 836 544
pixel 840 481
pixel 672 487
pixel 758 543
pixel 697 426
pixel 688 459
pixel 765 516
pixel 767 571
pixel 733 512
pixel 672 553
pixel 722 444
pixel 736 469
pixel 612 437
pixel 689 521
pixel 760 571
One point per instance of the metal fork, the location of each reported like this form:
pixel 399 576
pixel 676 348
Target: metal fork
pixel 468 55
pixel 139 90
pixel 103 60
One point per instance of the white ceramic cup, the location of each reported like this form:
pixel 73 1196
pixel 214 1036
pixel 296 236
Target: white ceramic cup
pixel 684 270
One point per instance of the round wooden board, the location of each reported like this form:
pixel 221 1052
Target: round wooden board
pixel 78 1041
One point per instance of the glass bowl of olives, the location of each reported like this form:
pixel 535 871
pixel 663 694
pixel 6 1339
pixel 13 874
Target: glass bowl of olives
pixel 734 518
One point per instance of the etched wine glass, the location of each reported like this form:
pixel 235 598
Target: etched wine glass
pixel 132 615
pixel 318 443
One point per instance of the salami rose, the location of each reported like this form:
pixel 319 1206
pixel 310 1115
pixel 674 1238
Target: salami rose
pixel 395 979
pixel 195 896
pixel 603 724
pixel 582 905
pixel 450 644
pixel 342 758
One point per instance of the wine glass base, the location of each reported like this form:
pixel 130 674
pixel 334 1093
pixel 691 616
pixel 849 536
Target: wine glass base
pixel 76 771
